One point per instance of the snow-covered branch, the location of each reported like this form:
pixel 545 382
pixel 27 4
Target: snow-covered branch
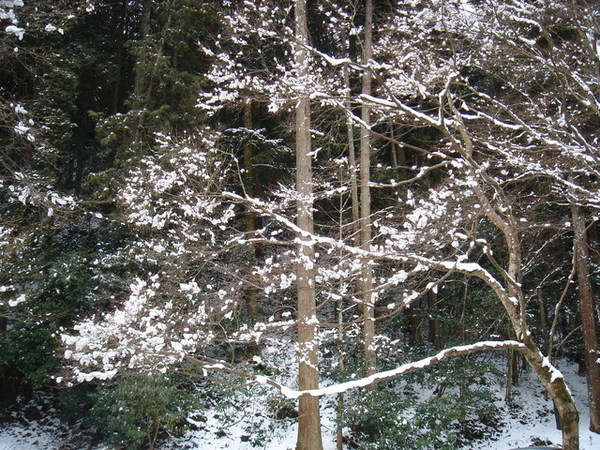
pixel 367 381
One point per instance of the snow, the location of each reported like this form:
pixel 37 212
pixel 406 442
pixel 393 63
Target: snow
pixel 236 426
pixel 280 435
pixel 20 299
pixel 556 374
pixel 13 29
pixel 22 439
pixel 47 432
pixel 11 3
pixel 535 420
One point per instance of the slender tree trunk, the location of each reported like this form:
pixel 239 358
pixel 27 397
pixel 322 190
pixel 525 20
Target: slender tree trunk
pixel 586 302
pixel 339 438
pixel 152 75
pixel 510 369
pixel 461 320
pixel 146 80
pixel 119 11
pixel 8 391
pixel 339 432
pixel 144 33
pixel 413 323
pixel 594 246
pixel 544 320
pixel 352 158
pixel 393 152
pixel 309 422
pixel 365 204
pixel 432 306
pixel 140 75
pixel 252 219
pixel 398 154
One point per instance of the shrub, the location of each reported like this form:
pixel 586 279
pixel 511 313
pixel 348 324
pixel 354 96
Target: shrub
pixel 459 410
pixel 133 410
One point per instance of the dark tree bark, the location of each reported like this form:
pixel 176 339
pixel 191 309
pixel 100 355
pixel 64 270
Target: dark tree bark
pixel 144 33
pixel 119 12
pixel 586 303
pixel 433 331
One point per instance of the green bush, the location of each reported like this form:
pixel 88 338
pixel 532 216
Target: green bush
pixel 459 410
pixel 133 410
pixel 376 421
pixel 68 274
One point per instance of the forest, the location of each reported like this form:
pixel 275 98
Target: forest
pixel 366 224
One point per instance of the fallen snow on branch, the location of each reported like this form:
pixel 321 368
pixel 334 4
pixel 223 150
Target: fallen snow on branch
pixel 401 370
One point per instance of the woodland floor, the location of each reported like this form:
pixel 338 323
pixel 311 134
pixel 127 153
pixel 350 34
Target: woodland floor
pixel 529 421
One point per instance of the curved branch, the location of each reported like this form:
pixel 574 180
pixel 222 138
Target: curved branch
pixel 367 381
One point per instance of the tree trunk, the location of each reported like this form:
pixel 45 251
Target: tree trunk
pixel 544 321
pixel 513 300
pixel 433 329
pixel 586 302
pixel 398 154
pixel 144 33
pixel 461 329
pixel 354 231
pixel 119 11
pixel 339 435
pixel 141 75
pixel 510 370
pixel 309 422
pixel 559 392
pixel 253 223
pixel 412 314
pixel 352 158
pixel 365 204
pixel 594 247
pixel 252 219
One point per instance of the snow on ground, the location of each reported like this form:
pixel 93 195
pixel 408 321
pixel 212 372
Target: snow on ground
pixel 530 421
pixel 280 434
pixel 30 437
pixel 535 420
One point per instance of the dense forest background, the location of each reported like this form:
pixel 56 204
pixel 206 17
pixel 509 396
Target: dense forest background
pixel 200 197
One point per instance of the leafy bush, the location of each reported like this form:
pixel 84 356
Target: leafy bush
pixel 459 410
pixel 70 273
pixel 133 410
pixel 375 420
